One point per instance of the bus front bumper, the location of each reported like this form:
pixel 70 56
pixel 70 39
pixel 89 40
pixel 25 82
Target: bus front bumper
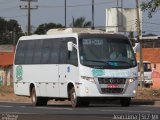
pixel 91 90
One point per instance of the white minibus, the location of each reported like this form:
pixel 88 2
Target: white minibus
pixel 75 64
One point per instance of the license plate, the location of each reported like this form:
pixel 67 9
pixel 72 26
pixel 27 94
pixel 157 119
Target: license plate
pixel 112 86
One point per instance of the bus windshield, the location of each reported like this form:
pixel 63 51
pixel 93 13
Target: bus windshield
pixel 106 53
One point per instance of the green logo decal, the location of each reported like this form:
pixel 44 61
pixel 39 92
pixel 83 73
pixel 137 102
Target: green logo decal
pixel 19 72
pixel 98 72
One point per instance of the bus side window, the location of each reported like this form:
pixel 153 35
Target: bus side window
pixel 63 53
pixel 46 50
pixel 37 52
pixel 54 51
pixel 72 57
pixel 20 53
pixel 30 45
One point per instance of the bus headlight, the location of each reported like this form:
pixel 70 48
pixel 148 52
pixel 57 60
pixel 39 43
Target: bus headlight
pixel 131 80
pixel 91 79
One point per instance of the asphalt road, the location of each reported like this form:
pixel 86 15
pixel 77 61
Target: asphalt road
pixel 25 111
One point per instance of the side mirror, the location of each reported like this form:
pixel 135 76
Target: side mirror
pixel 70 46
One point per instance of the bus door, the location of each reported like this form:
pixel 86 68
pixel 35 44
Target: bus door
pixel 50 70
pixel 63 69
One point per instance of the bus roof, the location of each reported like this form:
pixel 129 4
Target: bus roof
pixel 73 32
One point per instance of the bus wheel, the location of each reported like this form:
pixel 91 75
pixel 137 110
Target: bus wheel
pixel 37 101
pixel 44 101
pixel 85 103
pixel 125 102
pixel 75 101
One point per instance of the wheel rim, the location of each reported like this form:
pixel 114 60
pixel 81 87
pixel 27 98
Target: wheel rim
pixel 73 98
pixel 33 97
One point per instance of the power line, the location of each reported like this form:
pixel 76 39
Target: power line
pixel 151 23
pixel 78 5
pixel 15 16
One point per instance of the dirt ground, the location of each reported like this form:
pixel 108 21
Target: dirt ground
pixel 148 93
pixel 6 94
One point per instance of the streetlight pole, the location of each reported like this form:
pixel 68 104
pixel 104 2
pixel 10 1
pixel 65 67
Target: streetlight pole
pixel 92 14
pixel 117 3
pixel 29 17
pixel 65 12
pixel 140 41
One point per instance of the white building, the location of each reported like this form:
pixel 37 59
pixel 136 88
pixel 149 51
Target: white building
pixel 121 19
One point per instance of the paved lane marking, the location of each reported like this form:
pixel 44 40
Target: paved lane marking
pixel 5 106
pixel 39 107
pixel 23 106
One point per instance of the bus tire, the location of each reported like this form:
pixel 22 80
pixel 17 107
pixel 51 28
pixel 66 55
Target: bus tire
pixel 44 101
pixel 85 103
pixel 75 101
pixel 125 102
pixel 37 101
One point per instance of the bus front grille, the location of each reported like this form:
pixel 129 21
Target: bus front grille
pixel 111 80
pixel 112 85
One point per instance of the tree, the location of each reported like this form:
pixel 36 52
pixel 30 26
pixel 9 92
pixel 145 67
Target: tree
pixel 3 23
pixel 151 6
pixel 10 31
pixel 80 22
pixel 43 28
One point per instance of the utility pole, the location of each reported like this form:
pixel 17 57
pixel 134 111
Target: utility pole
pixel 65 12
pixel 14 38
pixel 122 15
pixel 117 3
pixel 140 41
pixel 29 8
pixel 117 30
pixel 92 14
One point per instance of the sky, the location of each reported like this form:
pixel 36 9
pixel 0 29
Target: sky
pixel 53 11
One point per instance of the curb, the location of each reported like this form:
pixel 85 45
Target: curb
pixel 145 102
pixel 157 103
